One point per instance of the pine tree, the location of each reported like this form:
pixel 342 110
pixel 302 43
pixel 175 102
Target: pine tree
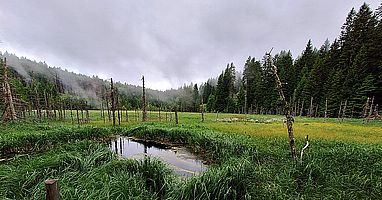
pixel 252 83
pixel 195 98
pixel 303 66
pixel 284 62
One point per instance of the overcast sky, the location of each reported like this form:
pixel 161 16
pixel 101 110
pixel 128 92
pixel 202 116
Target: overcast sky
pixel 171 42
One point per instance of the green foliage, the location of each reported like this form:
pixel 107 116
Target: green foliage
pixel 40 137
pixel 225 90
pixel 241 167
pixel 335 73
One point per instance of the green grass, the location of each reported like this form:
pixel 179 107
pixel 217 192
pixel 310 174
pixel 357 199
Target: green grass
pixel 86 170
pixel 25 137
pixel 249 160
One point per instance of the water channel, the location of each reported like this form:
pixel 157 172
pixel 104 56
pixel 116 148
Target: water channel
pixel 179 159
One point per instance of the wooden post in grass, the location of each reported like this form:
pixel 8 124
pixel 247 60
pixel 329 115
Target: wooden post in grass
pixel 52 189
pixel 287 109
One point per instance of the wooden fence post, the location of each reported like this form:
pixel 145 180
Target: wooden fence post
pixel 52 190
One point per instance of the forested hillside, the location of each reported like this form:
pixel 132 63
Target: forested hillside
pixel 341 75
pixel 335 79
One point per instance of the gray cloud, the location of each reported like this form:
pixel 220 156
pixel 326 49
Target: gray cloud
pixel 170 42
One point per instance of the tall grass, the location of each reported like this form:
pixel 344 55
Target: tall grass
pixel 40 137
pixel 330 169
pixel 86 170
pixel 244 164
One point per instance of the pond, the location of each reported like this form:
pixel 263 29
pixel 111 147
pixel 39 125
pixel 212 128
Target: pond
pixel 179 159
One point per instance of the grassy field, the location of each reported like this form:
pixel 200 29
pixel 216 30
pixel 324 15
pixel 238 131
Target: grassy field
pixel 249 158
pixel 350 130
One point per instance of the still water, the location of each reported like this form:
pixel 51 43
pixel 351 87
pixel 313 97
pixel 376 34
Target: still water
pixel 182 161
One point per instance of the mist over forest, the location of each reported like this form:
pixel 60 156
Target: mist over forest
pixel 343 73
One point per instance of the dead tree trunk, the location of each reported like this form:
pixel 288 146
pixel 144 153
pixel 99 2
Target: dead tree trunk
pixel 71 111
pixel 371 108
pixel 54 108
pixel 302 108
pixel 304 148
pixel 118 110
pixel 298 107
pixel 64 107
pixel 46 104
pixel 293 103
pixel 159 113
pixel 108 107
pixel 311 107
pixel 326 108
pixel 9 111
pixel 316 113
pixel 366 109
pixel 112 100
pixel 144 113
pixel 344 111
pixel 287 109
pixel 376 114
pixel 87 116
pixel 103 111
pixel 78 117
pixel 82 114
pixel 38 107
pixel 340 111
pixel 202 110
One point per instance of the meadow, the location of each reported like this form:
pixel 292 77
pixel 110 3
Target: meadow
pixel 248 158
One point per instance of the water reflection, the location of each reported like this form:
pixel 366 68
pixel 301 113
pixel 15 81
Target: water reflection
pixel 179 159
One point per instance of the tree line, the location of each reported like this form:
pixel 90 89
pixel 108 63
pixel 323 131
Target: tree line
pixel 335 80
